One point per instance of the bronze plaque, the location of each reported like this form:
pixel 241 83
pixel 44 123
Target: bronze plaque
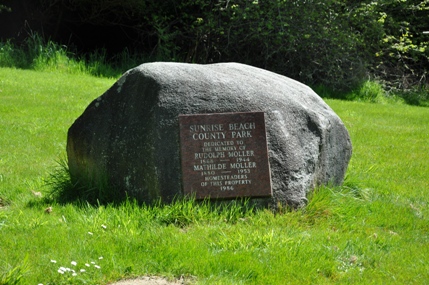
pixel 225 155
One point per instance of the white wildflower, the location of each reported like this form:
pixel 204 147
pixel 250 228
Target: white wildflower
pixel 53 261
pixel 100 258
pixel 82 270
pixel 104 226
pixel 96 266
pixel 87 265
pixel 90 233
pixel 74 263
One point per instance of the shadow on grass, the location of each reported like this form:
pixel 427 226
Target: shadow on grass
pixel 374 92
pixel 181 211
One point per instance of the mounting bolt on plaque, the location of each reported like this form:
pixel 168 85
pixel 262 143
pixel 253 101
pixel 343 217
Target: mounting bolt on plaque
pixel 224 155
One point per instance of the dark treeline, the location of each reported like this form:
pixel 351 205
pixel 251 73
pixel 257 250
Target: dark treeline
pixel 334 43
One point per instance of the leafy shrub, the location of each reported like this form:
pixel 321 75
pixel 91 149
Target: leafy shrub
pixel 334 43
pixel 392 36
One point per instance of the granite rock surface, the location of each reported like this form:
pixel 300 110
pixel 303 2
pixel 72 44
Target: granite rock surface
pixel 128 138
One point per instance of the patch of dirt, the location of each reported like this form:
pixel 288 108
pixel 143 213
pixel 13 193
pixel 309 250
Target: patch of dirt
pixel 150 280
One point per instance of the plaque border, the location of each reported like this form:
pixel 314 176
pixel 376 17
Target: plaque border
pixel 198 193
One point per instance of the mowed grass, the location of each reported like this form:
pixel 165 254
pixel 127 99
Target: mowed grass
pixel 36 110
pixel 372 230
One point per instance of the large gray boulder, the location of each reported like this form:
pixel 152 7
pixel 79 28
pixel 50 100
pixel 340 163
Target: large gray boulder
pixel 128 138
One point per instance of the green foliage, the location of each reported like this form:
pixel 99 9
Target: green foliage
pixel 4 8
pixel 416 96
pixel 334 43
pixel 306 40
pixel 392 35
pixel 13 275
pixel 91 190
pixel 37 54
pixel 374 91
pixel 186 212
pixel 11 56
pixel 64 190
pixel 370 91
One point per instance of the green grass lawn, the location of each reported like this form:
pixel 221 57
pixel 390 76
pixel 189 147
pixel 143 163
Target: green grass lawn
pixel 373 230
